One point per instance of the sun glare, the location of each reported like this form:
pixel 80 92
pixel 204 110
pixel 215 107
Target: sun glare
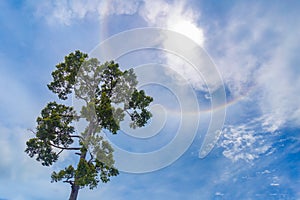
pixel 190 30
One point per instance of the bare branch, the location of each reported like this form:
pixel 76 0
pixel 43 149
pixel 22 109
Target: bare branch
pixel 76 136
pixel 31 131
pixel 65 148
pixel 92 157
pixel 71 182
pixel 60 151
pixel 128 113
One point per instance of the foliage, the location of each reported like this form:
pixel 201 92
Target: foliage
pixel 108 94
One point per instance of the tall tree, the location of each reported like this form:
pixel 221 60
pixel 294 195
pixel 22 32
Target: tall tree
pixel 107 94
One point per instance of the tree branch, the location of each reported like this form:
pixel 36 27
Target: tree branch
pixel 128 113
pixel 92 157
pixel 64 148
pixel 67 181
pixel 76 136
pixel 60 151
pixel 32 131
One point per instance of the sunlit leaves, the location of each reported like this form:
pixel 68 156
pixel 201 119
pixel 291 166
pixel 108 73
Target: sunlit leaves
pixel 67 174
pixel 104 112
pixel 53 130
pixel 88 79
pixel 107 93
pixel 110 77
pixel 139 103
pixel 54 124
pixel 64 76
pixel 87 174
pixel 43 151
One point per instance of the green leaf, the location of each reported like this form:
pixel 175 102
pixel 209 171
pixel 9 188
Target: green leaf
pixel 64 76
pixel 53 129
pixel 107 93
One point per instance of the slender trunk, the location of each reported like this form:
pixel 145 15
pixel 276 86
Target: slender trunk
pixel 75 188
pixel 74 192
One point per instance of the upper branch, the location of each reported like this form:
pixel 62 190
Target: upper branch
pixel 64 148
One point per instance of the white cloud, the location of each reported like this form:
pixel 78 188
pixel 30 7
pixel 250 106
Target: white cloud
pixel 13 142
pixel 67 11
pixel 233 45
pixel 250 140
pixel 253 53
pixel 176 16
pixel 179 17
pixel 279 79
pixel 250 51
pixel 18 169
pixel 18 105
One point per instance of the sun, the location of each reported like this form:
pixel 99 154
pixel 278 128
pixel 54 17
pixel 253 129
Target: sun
pixel 189 29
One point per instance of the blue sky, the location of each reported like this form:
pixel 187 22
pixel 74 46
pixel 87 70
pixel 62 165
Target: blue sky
pixel 254 46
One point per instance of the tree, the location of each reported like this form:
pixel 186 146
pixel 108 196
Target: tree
pixel 107 94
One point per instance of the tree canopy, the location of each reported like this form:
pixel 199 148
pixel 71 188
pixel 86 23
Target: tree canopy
pixel 108 94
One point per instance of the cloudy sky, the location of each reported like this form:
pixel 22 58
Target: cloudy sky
pixel 225 76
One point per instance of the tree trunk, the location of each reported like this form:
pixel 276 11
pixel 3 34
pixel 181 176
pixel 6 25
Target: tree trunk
pixel 75 188
pixel 74 192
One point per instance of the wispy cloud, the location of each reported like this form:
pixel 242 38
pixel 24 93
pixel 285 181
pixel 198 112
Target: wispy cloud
pixel 253 53
pixel 249 50
pixel 16 102
pixel 254 49
pixel 17 169
pixel 250 140
pixel 66 12
pixel 176 16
